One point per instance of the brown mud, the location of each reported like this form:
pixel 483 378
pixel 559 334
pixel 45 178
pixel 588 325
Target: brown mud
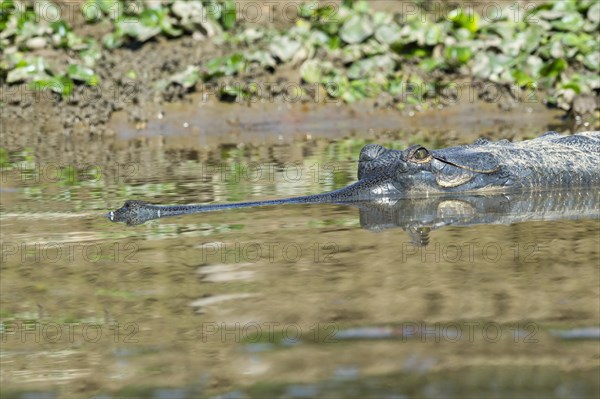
pixel 128 92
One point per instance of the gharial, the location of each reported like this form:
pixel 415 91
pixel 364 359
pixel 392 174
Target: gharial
pixel 547 162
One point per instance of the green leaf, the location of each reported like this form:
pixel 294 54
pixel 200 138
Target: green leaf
pixel 373 47
pixel 336 85
pixel 308 9
pixel 312 71
pixel 150 18
pixel 25 71
pixel 356 29
pixel 576 87
pixel 284 48
pixel 91 54
pixel 228 17
pixel 60 28
pixel 388 33
pixel 140 30
pixel 113 40
pixel 564 5
pixel 463 20
pixel 524 42
pixel 554 68
pixel 360 6
pixel 434 34
pixel 334 43
pixel 429 64
pixel 570 22
pixel 214 67
pixel 533 66
pixel 20 73
pixel 168 28
pixel 378 68
pixel 188 77
pixel 82 74
pixel 262 57
pixel 359 89
pixel 351 53
pixel 225 65
pixel 235 63
pixel 521 78
pixel 492 66
pixel 593 13
pixel 457 54
pixel 57 84
pixel 592 61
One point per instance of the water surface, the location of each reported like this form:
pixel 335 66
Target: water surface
pixel 294 301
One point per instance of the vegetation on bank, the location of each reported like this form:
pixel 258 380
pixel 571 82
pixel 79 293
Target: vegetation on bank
pixel 350 52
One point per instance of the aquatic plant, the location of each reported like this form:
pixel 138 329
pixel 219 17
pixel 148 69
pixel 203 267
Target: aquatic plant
pixel 351 51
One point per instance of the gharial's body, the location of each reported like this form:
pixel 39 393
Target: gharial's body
pixel 550 161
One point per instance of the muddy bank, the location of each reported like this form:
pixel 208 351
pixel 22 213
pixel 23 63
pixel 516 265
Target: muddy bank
pixel 131 108
pixel 88 110
pixel 129 111
pixel 143 84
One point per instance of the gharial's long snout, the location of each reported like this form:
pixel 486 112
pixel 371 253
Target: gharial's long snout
pixel 135 212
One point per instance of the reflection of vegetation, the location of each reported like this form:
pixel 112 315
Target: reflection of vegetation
pixel 238 174
pixel 352 52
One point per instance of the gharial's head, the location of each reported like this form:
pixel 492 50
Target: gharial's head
pixel 418 170
pixel 132 212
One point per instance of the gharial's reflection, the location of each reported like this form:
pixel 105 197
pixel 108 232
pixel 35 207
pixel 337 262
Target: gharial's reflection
pixel 419 216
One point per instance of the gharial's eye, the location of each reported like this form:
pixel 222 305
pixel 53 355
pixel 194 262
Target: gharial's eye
pixel 420 155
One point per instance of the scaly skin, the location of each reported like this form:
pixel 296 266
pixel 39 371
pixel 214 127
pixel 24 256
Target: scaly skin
pixel 550 161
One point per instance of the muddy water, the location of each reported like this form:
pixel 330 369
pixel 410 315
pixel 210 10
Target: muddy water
pixel 295 301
